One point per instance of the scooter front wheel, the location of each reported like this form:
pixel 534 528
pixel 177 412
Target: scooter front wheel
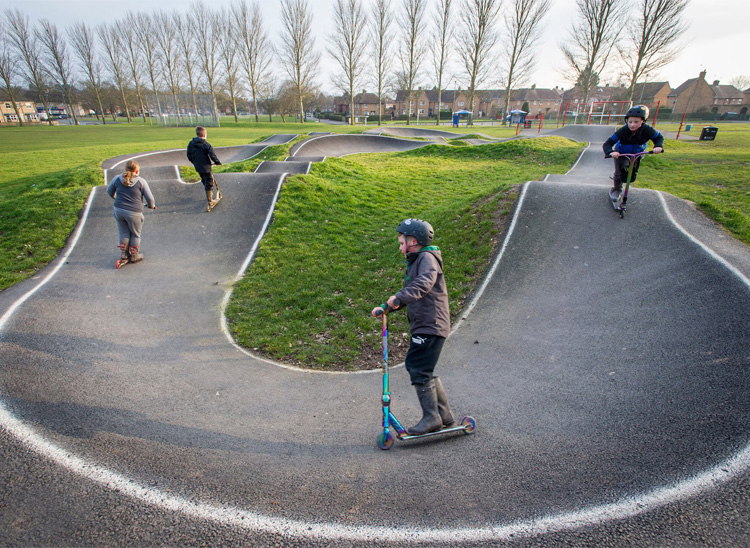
pixel 469 425
pixel 385 441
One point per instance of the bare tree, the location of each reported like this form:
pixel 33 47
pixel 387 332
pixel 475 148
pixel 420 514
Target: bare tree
pixel 230 58
pixel 133 57
pixel 477 41
pixel 8 72
pixel 591 41
pixel 23 37
pixel 255 50
pixel 412 49
pixel 146 34
pixel 381 24
pixel 441 38
pixel 58 59
pixel 166 40
pixel 299 57
pixel 84 44
pixel 208 30
pixel 523 26
pixel 185 31
pixel 741 82
pixel 110 38
pixel 651 43
pixel 347 46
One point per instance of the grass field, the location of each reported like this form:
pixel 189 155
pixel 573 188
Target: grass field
pixel 332 237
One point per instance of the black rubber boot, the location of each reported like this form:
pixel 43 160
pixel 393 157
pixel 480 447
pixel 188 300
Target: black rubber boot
pixel 431 420
pixel 443 408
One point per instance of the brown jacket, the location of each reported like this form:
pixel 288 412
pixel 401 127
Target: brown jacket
pixel 425 294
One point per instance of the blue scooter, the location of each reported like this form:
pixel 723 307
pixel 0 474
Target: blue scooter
pixel 385 439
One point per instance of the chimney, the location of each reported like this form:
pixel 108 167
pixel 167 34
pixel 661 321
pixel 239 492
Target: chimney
pixel 533 86
pixel 702 75
pixel 716 83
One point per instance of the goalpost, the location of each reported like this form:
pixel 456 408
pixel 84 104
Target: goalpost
pixel 601 110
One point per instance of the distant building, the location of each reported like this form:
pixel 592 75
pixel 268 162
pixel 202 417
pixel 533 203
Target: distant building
pixel 696 95
pixel 26 108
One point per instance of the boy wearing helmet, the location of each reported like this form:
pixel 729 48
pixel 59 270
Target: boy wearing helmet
pixel 426 298
pixel 630 139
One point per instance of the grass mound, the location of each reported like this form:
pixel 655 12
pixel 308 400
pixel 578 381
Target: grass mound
pixel 331 254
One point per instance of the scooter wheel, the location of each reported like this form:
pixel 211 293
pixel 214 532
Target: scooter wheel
pixel 385 440
pixel 469 425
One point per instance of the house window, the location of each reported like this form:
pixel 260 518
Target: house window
pixel 421 103
pixel 421 111
pixel 461 103
pixel 365 105
pixel 7 105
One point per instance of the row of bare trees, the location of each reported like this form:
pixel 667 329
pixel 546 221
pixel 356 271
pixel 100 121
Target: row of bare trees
pixel 471 42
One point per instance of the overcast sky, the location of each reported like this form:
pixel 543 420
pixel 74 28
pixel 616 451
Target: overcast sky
pixel 716 41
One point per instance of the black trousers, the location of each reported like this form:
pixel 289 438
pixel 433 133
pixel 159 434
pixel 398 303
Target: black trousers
pixel 422 357
pixel 622 165
pixel 208 180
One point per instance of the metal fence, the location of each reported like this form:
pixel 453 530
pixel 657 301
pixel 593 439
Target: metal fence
pixel 186 112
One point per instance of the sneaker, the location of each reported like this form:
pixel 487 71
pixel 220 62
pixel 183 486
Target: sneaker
pixel 614 194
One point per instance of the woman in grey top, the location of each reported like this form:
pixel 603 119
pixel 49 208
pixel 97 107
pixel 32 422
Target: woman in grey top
pixel 130 193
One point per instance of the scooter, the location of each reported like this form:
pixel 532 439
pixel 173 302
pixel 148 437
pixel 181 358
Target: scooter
pixel 620 204
pixel 385 439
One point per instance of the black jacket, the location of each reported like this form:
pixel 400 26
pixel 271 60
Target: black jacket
pixel 424 293
pixel 202 155
pixel 626 142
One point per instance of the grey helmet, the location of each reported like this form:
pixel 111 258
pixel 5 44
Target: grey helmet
pixel 419 229
pixel 638 111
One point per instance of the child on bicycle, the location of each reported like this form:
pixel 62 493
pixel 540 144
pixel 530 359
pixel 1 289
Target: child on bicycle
pixel 630 139
pixel 426 298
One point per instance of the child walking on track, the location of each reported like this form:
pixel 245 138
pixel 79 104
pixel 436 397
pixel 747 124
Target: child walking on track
pixel 630 139
pixel 202 155
pixel 426 298
pixel 130 192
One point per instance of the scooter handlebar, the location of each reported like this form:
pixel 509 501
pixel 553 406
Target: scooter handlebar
pixel 388 309
pixel 632 155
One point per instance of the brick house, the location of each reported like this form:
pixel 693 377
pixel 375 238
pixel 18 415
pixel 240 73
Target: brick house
pixel 27 109
pixel 727 98
pixel 542 102
pixel 693 95
pixel 652 94
pixel 365 104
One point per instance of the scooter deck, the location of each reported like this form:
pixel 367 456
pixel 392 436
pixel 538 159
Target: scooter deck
pixel 466 425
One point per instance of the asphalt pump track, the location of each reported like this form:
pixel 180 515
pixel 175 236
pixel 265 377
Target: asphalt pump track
pixel 605 362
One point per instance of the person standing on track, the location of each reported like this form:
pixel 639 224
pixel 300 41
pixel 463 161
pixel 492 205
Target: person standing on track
pixel 426 298
pixel 202 155
pixel 129 192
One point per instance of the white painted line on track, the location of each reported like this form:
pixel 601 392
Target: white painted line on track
pixel 718 258
pixel 237 518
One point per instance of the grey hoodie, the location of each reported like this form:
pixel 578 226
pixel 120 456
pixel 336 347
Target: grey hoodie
pixel 425 294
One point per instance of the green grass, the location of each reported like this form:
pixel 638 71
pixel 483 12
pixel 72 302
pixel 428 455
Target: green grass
pixel 332 244
pixel 715 175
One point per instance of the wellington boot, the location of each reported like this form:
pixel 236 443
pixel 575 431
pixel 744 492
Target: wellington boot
pixel 443 408
pixel 431 420
pixel 124 255
pixel 135 255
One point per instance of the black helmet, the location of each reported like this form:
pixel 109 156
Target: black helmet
pixel 421 230
pixel 638 111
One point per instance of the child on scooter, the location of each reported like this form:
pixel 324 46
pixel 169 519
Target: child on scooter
pixel 426 298
pixel 630 139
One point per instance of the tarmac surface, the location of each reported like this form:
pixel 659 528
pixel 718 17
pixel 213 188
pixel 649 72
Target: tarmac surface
pixel 605 361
